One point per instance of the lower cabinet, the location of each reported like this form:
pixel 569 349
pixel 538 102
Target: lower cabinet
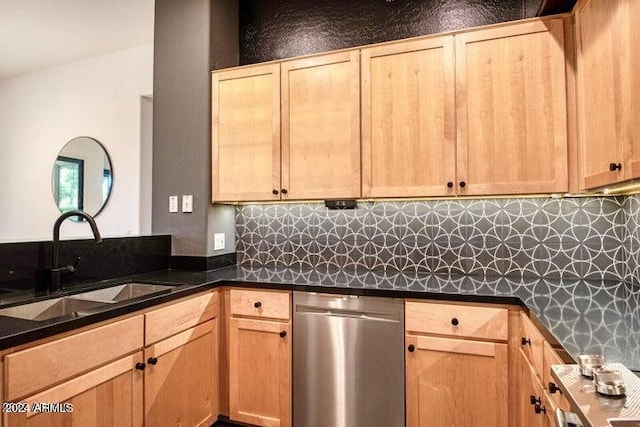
pixel 181 378
pixel 456 382
pixel 111 376
pixel 110 396
pixel 260 372
pixel 533 408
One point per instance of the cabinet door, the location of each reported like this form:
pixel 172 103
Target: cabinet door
pixel 511 109
pixel 110 396
pixel 629 16
pixel 408 119
pixel 456 382
pixel 599 92
pixel 530 388
pixel 321 126
pixel 260 372
pixel 246 134
pixel 181 378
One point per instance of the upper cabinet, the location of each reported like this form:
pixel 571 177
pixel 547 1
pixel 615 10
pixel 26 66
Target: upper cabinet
pixel 511 109
pixel 474 113
pixel 321 127
pixel 246 134
pixel 408 119
pixel 608 89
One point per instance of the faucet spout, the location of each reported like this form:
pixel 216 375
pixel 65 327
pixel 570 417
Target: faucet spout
pixel 55 283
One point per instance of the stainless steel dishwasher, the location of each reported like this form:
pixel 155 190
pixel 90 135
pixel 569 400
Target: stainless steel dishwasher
pixel 348 361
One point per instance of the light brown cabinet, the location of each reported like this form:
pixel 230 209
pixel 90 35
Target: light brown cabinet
pixel 408 118
pixel 453 378
pixel 608 90
pixel 182 366
pixel 110 396
pixel 110 381
pixel 260 358
pixel 511 109
pixel 456 382
pixel 181 378
pixel 479 112
pixel 539 397
pixel 532 408
pixel 321 126
pixel 246 134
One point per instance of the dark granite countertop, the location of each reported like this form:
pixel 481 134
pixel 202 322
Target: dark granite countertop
pixel 583 316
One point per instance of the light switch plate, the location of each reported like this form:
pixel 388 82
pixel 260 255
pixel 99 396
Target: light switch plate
pixel 173 204
pixel 218 241
pixel 187 203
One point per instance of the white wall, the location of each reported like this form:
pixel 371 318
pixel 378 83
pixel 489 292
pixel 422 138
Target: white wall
pixel 41 111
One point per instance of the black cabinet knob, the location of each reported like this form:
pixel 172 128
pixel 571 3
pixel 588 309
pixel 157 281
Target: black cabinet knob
pixel 284 191
pixel 540 409
pixel 283 334
pixel 275 192
pixel 553 388
pixel 454 321
pixel 535 400
pixel 463 184
pixel 615 166
pixel 411 348
pixel 525 341
pixel 450 184
pixel 257 304
pixel 152 360
pixel 140 366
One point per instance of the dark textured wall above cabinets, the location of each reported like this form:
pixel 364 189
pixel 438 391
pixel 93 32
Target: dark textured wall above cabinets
pixel 286 28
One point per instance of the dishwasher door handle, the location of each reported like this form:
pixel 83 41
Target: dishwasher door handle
pixel 351 314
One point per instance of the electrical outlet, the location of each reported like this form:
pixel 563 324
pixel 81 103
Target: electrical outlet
pixel 218 241
pixel 173 204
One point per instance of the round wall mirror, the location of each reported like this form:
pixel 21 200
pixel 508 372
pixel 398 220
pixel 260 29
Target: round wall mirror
pixel 82 177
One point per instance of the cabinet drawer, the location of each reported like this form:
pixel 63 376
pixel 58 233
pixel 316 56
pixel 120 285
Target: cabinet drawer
pixel 167 321
pixel 531 392
pixel 457 320
pixel 531 341
pixel 38 367
pixel 266 304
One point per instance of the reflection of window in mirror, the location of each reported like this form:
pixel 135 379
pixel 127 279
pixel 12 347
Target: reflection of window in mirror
pixel 69 183
pixel 106 183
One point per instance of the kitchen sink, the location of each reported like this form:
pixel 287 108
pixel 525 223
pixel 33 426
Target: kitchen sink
pixel 52 308
pixel 124 292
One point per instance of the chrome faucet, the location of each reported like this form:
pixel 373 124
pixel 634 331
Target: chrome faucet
pixel 56 272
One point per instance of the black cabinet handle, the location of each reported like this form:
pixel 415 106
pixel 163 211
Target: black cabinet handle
pixel 525 341
pixel 463 184
pixel 284 191
pixel 411 348
pixel 257 304
pixel 283 334
pixel 454 321
pixel 540 409
pixel 275 192
pixel 140 366
pixel 535 400
pixel 152 360
pixel 553 388
pixel 450 184
pixel 615 166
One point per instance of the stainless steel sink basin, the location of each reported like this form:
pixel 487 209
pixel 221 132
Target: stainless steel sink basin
pixel 52 308
pixel 124 292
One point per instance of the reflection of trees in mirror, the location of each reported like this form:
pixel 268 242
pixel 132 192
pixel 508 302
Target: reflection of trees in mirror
pixel 69 183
